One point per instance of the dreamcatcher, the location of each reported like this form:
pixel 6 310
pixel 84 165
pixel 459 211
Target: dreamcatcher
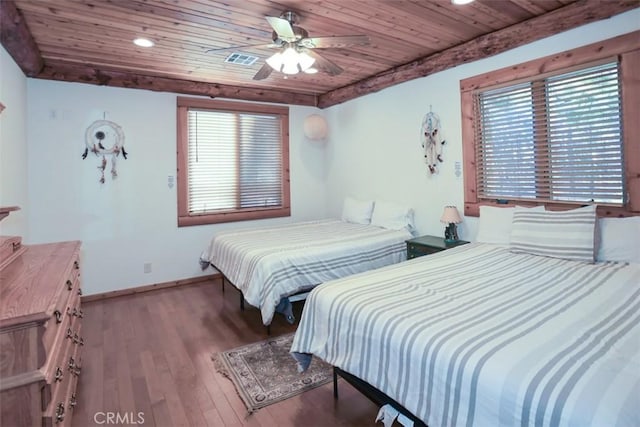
pixel 105 139
pixel 432 141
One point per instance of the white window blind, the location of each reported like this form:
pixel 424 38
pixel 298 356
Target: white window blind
pixel 555 139
pixel 234 161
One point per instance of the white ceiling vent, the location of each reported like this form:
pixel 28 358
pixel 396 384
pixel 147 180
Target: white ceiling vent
pixel 241 59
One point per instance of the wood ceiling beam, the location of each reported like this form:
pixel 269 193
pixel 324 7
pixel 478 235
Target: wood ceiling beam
pixel 563 19
pixel 17 39
pixel 85 74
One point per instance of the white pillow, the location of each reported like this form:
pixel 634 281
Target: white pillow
pixel 357 211
pixel 494 224
pixel 557 234
pixel 619 239
pixel 392 216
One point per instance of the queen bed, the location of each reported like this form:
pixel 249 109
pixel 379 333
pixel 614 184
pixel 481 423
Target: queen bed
pixel 487 335
pixel 268 265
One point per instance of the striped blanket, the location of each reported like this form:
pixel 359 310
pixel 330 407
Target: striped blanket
pixel 480 336
pixel 267 264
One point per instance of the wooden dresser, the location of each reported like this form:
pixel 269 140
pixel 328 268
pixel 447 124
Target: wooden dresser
pixel 40 335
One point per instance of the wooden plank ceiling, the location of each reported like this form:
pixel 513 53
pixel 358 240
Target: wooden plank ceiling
pixel 91 41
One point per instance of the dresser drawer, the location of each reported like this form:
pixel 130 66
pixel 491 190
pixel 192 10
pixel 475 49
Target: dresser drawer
pixel 426 245
pixel 62 402
pixel 67 301
pixel 65 363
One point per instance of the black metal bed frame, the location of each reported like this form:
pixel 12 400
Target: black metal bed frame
pixel 372 393
pixel 300 294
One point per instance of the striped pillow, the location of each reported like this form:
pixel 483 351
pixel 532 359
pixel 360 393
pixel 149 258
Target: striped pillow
pixel 565 234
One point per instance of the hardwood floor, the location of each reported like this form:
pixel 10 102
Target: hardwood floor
pixel 147 359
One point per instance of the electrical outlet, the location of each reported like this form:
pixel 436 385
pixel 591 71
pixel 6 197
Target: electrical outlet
pixel 147 267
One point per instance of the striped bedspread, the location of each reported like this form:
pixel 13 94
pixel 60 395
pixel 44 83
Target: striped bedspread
pixel 480 336
pixel 267 264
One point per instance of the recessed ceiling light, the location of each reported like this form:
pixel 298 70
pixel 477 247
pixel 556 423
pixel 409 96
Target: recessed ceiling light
pixel 458 2
pixel 142 42
pixel 311 70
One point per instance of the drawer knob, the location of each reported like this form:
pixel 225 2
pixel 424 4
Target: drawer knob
pixel 60 413
pixel 78 339
pixel 69 285
pixel 59 374
pixel 73 401
pixel 58 316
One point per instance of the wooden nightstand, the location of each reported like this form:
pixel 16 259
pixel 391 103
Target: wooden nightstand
pixel 425 245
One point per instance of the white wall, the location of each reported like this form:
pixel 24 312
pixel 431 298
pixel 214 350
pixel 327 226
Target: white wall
pixel 131 220
pixel 13 146
pixel 375 150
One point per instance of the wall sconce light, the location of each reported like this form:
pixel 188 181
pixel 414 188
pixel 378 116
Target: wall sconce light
pixel 315 127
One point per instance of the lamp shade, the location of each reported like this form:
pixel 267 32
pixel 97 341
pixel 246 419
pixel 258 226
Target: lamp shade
pixel 450 215
pixel 305 60
pixel 315 127
pixel 275 61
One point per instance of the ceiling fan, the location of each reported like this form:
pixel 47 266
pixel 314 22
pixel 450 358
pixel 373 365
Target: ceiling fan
pixel 297 50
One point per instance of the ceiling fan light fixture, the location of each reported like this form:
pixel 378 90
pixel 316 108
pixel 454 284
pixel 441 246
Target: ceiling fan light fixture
pixel 290 68
pixel 305 60
pixel 289 55
pixel 275 61
pixel 290 61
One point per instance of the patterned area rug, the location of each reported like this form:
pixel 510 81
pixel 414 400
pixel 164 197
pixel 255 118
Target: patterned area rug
pixel 265 373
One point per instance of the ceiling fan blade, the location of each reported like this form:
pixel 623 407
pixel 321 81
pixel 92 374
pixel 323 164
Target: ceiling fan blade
pixel 282 27
pixel 333 41
pixel 263 72
pixel 324 65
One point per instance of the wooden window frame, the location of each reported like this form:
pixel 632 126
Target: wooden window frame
pixel 627 49
pixel 187 219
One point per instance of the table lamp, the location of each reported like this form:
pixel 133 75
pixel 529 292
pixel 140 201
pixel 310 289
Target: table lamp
pixel 451 217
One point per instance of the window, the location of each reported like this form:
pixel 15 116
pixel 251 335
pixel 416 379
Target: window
pixel 552 139
pixel 233 161
pixel 555 138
